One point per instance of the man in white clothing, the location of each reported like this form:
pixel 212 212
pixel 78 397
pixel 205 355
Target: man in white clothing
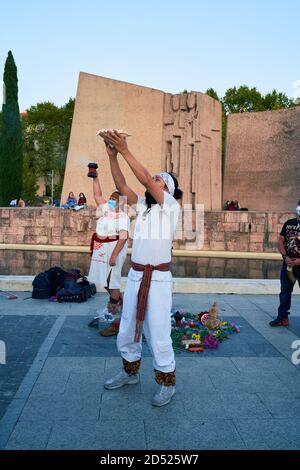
pixel 148 295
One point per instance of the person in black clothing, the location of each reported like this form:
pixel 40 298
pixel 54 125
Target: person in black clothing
pixel 289 248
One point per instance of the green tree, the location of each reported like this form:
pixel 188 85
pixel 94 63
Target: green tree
pixel 212 93
pixel 46 138
pixel 243 99
pixel 277 100
pixel 11 154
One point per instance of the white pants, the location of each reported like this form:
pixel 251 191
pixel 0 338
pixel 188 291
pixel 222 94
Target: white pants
pixel 156 327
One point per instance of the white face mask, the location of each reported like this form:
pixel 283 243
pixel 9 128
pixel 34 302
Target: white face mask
pixel 298 210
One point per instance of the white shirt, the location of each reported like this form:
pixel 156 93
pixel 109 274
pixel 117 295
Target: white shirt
pixel 111 223
pixel 154 233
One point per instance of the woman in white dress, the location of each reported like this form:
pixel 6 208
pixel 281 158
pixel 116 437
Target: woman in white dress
pixel 109 246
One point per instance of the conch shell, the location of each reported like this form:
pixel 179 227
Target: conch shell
pixel 103 133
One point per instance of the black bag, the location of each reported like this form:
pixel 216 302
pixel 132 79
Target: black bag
pixel 67 286
pixel 41 286
pixel 46 284
pixel 76 288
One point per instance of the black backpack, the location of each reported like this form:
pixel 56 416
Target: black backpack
pixel 67 286
pixel 47 283
pixel 41 286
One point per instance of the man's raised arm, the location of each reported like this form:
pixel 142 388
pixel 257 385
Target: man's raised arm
pixel 119 178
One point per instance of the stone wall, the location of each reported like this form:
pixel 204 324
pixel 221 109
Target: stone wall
pixel 223 231
pixel 262 165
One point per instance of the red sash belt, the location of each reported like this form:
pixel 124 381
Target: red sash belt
pixel 143 293
pixel 95 238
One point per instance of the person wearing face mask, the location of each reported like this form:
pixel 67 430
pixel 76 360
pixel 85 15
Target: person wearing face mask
pixel 148 295
pixel 109 249
pixel 289 248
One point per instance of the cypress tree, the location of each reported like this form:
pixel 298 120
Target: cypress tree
pixel 11 155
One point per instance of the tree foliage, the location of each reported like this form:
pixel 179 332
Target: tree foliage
pixel 46 138
pixel 11 154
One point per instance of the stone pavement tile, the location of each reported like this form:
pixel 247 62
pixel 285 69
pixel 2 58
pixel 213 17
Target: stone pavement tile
pixel 113 365
pixel 269 303
pixel 25 305
pixel 69 375
pixel 107 434
pixel 50 385
pixel 100 348
pixel 274 434
pixel 243 404
pixel 76 338
pixel 203 404
pixel 291 378
pixel 182 433
pixel 268 364
pixel 62 406
pixel 129 400
pixel 279 338
pixel 85 383
pixel 282 405
pixel 294 325
pixel 203 364
pixel 248 381
pixel 24 337
pixel 29 436
pixel 65 365
pixel 4 402
pixel 9 419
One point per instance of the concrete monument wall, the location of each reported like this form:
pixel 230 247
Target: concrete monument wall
pixel 180 133
pixel 262 165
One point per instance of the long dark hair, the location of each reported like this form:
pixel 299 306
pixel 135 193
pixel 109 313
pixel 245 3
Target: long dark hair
pixel 177 193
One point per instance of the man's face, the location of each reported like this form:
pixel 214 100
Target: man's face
pixel 160 182
pixel 114 197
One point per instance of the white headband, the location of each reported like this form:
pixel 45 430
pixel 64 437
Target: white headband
pixel 169 182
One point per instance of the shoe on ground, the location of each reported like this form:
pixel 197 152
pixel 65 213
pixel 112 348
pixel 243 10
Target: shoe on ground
pixel 122 378
pixel 280 322
pixel 109 331
pixel 163 395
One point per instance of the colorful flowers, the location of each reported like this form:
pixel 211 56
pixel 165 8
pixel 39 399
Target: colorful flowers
pixel 190 334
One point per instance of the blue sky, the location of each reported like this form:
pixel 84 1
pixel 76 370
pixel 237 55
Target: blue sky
pixel 168 45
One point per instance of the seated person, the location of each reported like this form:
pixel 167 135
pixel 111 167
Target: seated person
pixel 70 202
pixel 20 202
pixel 81 200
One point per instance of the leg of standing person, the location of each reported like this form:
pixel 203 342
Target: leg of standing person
pixel 285 296
pixel 130 351
pixel 157 329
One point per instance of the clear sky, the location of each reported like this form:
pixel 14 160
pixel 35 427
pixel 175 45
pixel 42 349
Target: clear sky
pixel 170 45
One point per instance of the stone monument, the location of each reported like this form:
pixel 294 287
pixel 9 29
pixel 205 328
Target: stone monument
pixel 179 133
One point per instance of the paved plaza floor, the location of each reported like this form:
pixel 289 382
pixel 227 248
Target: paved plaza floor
pixel 243 395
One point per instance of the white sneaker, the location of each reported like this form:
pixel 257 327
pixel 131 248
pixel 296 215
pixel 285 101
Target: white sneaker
pixel 104 315
pixel 122 378
pixel 163 395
